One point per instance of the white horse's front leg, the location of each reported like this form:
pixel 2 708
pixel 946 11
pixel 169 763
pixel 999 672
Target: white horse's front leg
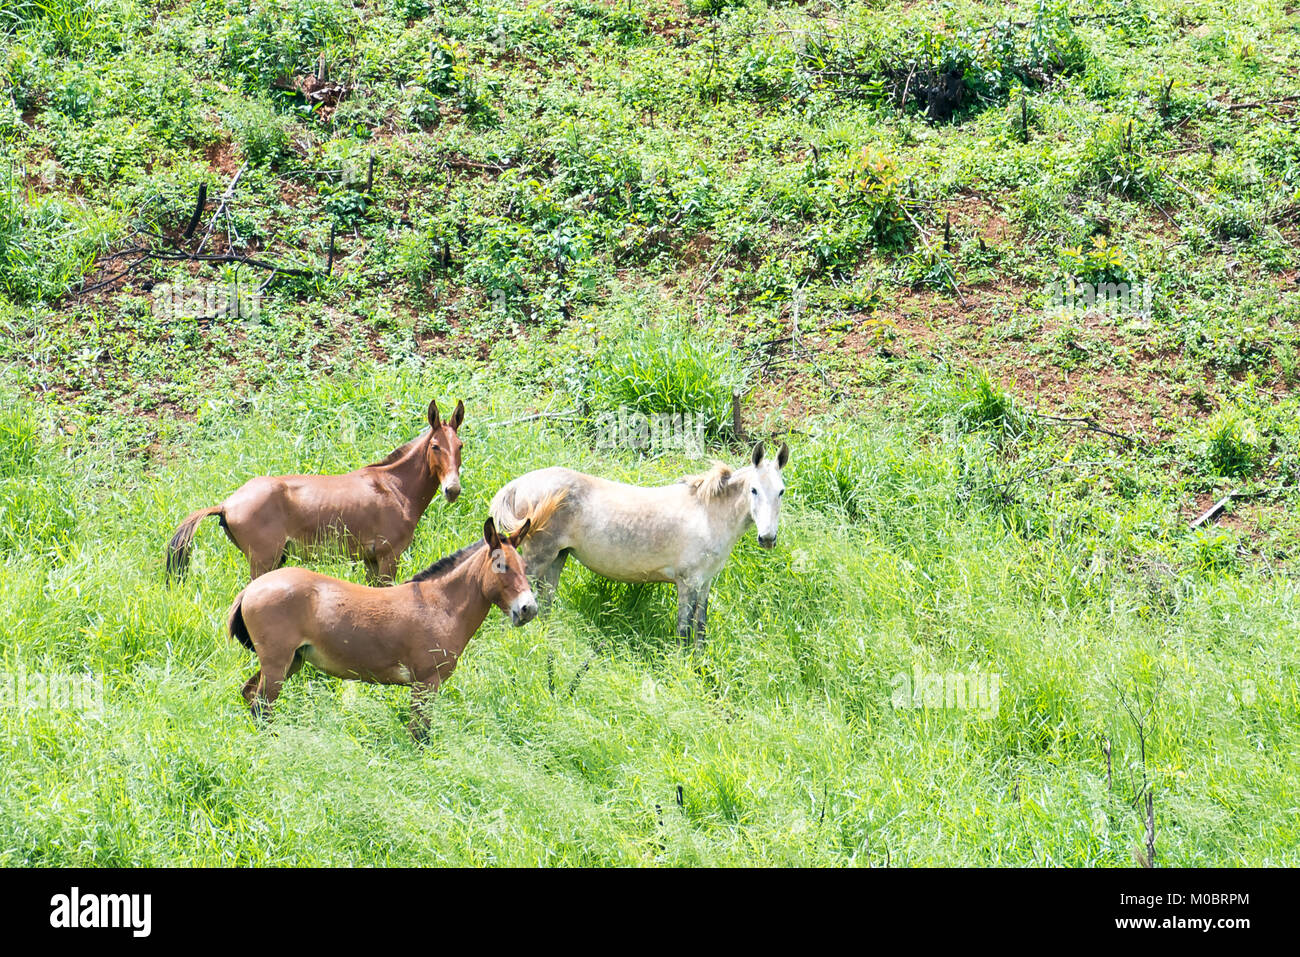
pixel 692 612
pixel 548 582
pixel 701 616
pixel 686 596
pixel 543 564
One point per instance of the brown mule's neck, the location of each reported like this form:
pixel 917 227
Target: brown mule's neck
pixel 461 592
pixel 411 470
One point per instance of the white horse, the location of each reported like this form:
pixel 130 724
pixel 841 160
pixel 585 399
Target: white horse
pixel 680 533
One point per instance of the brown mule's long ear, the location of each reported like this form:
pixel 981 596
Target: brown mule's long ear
pixel 458 416
pixel 783 456
pixel 518 536
pixel 490 535
pixel 757 456
pixel 433 414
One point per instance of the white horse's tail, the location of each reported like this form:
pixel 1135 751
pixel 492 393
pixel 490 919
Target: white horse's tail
pixel 509 513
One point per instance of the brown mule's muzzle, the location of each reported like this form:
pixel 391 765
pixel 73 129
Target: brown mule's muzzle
pixel 523 609
pixel 451 487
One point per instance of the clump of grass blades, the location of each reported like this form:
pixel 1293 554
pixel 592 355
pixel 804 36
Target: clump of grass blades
pixel 1230 444
pixel 973 402
pixel 663 370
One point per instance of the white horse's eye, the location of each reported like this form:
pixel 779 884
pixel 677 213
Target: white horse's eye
pixel 753 491
pixel 780 493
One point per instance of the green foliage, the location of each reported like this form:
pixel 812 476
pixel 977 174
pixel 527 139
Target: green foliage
pixel 551 181
pixel 1115 162
pixel 260 132
pixel 834 475
pixel 72 26
pixel 46 243
pixel 1101 262
pixel 277 38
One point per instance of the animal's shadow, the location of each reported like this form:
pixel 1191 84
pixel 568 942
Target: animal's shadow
pixel 636 619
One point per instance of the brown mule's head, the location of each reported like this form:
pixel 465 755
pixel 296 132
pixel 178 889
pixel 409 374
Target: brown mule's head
pixel 444 449
pixel 507 585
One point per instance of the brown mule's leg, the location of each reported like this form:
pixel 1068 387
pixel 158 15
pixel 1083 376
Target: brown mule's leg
pixel 265 560
pixel 387 568
pixel 422 695
pixel 381 567
pixel 250 688
pixel 272 677
pixel 263 547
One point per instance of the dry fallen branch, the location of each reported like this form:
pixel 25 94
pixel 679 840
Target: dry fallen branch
pixel 1255 104
pixel 222 207
pixel 177 253
pixel 1088 424
pixel 1214 510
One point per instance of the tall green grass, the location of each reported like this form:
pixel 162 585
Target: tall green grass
pixel 569 741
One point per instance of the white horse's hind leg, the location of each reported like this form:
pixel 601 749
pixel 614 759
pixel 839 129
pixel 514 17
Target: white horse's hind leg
pixel 549 580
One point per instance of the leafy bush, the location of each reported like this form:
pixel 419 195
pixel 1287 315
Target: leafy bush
pixel 71 26
pixel 1102 262
pixel 944 75
pixel 1232 219
pixel 261 133
pixel 1113 161
pixel 1213 550
pixel 834 475
pixel 283 37
pixel 46 243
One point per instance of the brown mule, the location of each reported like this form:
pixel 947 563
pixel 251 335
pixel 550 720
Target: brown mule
pixel 373 510
pixel 409 634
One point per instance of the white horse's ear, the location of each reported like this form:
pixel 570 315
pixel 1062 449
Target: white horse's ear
pixel 433 414
pixel 783 456
pixel 458 416
pixel 757 456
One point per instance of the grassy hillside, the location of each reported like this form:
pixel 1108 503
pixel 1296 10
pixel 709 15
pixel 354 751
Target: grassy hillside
pixel 848 215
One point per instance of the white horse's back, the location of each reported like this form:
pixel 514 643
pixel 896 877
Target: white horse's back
pixel 624 532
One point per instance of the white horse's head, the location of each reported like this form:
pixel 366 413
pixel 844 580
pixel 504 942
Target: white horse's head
pixel 765 490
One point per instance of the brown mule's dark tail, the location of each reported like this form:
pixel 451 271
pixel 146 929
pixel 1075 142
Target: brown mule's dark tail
pixel 236 625
pixel 178 549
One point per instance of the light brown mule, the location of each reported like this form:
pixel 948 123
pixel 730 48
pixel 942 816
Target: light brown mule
pixel 409 634
pixel 373 510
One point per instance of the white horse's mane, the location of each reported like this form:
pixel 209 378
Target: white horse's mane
pixel 710 484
